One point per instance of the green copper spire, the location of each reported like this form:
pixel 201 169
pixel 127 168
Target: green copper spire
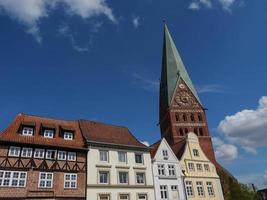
pixel 173 70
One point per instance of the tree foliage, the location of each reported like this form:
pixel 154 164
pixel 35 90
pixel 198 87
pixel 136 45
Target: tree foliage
pixel 239 191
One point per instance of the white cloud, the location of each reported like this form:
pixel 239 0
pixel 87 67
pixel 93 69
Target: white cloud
pixel 224 152
pixel 30 12
pixel 226 4
pixel 136 22
pixel 247 128
pixel 258 178
pixel 144 83
pixel 145 143
pixel 213 88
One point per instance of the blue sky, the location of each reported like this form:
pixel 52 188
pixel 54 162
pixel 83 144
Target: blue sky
pixel 101 60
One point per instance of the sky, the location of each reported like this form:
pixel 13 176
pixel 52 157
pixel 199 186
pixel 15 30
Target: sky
pixel 101 60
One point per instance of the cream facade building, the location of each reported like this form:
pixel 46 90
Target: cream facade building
pixel 167 172
pixel 118 165
pixel 201 179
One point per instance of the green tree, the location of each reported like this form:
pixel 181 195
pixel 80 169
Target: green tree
pixel 239 191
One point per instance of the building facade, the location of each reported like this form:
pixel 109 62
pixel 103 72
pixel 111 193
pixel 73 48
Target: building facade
pixel 201 179
pixel 168 179
pixel 119 166
pixel 42 158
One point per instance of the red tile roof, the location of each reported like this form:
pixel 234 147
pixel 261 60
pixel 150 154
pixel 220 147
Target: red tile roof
pixel 154 148
pixel 110 134
pixel 11 133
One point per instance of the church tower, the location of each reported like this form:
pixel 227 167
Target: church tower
pixel 181 110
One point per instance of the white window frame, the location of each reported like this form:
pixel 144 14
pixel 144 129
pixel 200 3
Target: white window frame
pixel 137 180
pixel 26 152
pixel 21 177
pixel 163 192
pixel 46 180
pixel 99 177
pixel 199 167
pixel 72 156
pixel 142 158
pixel 48 133
pixel 142 195
pixel 207 167
pixel 14 151
pixel 68 135
pixel 195 152
pixel 189 188
pixel 191 166
pixel 127 195
pixel 105 195
pixel 27 131
pixel 171 170
pixel 210 189
pixel 39 153
pixel 161 170
pixel 61 155
pixel 122 154
pixel 200 188
pixel 71 180
pixel 165 154
pixel 127 177
pixel 103 154
pixel 50 151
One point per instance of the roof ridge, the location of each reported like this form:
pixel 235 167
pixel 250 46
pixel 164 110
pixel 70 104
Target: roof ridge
pixel 104 123
pixel 44 117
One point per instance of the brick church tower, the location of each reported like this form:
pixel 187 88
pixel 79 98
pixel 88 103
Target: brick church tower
pixel 181 110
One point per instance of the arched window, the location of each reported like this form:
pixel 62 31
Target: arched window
pixel 177 118
pixel 192 117
pixel 186 130
pixel 200 131
pixel 199 117
pixel 196 131
pixel 181 131
pixel 184 117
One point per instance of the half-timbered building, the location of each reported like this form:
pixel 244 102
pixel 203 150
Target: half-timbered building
pixel 42 158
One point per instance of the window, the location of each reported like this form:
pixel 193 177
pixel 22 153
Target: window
pixel 199 167
pixel 199 117
pixel 46 180
pixel 48 133
pixel 14 151
pixel 141 197
pixel 177 117
pixel 189 188
pixel 68 136
pixel 174 187
pixel 184 117
pixel 163 192
pixel 186 130
pixel 200 189
pixel 61 155
pixel 122 156
pixel 50 154
pixel 139 158
pixel 27 131
pixel 123 177
pixel 192 117
pixel 26 152
pixel 72 156
pixel 103 155
pixel 210 189
pixel 104 197
pixel 207 167
pixel 39 153
pixel 200 131
pixel 196 131
pixel 124 197
pixel 103 177
pixel 140 178
pixel 171 169
pixel 191 167
pixel 165 154
pixel 161 170
pixel 12 179
pixel 70 181
pixel 196 152
pixel 181 131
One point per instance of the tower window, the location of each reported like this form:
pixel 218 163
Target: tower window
pixel 177 117
pixel 199 117
pixel 186 130
pixel 195 131
pixel 181 131
pixel 184 117
pixel 200 131
pixel 192 117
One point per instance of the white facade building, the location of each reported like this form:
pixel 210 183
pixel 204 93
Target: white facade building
pixel 167 173
pixel 118 165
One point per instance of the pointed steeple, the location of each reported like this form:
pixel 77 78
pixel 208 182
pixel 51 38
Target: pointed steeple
pixel 173 70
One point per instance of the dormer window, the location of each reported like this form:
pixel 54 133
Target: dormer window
pixel 28 131
pixel 48 133
pixel 68 136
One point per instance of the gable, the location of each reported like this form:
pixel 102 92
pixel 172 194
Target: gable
pixel 159 154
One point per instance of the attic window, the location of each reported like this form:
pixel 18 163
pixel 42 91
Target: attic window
pixel 165 154
pixel 68 135
pixel 48 133
pixel 196 152
pixel 28 131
